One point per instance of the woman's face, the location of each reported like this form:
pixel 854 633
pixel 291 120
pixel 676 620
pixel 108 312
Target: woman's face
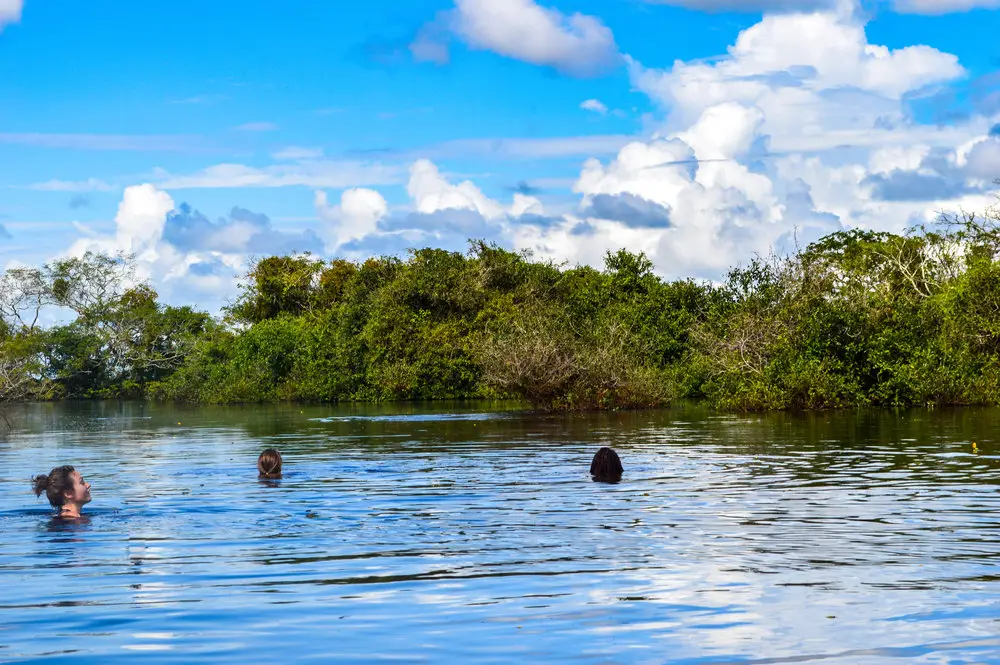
pixel 80 493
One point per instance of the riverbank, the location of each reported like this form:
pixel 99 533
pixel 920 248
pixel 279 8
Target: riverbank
pixel 855 319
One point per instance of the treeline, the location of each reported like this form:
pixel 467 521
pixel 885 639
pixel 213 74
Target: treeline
pixel 857 318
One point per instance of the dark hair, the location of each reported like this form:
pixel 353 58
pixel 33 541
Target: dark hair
pixel 269 464
pixel 606 465
pixel 58 481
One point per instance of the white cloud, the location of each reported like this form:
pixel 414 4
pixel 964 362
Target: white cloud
pixel 525 205
pixel 240 232
pixel 188 258
pixel 594 105
pixel 720 211
pixel 815 78
pixel 983 160
pixel 431 44
pixel 799 130
pixel 802 56
pixel 313 174
pixel 298 153
pixel 655 171
pixel 306 167
pixel 357 215
pixel 824 51
pixel 578 44
pixel 139 223
pixel 141 217
pixel 526 148
pixel 724 131
pixel 101 142
pixel 440 214
pixel 749 5
pixel 88 185
pixel 942 6
pixel 933 7
pixel 893 158
pixel 10 11
pixel 431 192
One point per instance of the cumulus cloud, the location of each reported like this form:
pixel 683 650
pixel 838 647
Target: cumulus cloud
pixel 631 210
pixel 913 186
pixel 447 229
pixel 656 171
pixel 578 45
pixel 692 218
pixel 241 232
pixel 595 106
pixel 431 192
pixel 939 173
pixel 10 11
pixel 814 77
pixel 799 130
pixel 983 159
pixel 355 218
pixel 525 204
pixel 186 256
pixel 141 218
pixel 440 214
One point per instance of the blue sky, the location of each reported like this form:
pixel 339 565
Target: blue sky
pixel 699 131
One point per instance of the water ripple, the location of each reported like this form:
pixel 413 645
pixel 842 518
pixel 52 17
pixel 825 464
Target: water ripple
pixel 476 536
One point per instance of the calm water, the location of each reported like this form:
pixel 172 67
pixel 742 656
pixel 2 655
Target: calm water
pixel 476 536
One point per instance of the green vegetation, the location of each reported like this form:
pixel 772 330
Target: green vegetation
pixel 857 318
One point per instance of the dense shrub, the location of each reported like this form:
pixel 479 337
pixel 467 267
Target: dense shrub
pixel 857 318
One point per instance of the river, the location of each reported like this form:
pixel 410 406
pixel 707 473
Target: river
pixel 474 534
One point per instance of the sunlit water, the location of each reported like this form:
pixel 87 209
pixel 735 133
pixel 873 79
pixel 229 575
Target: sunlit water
pixel 475 535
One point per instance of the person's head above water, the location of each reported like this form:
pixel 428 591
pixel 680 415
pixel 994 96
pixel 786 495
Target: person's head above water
pixel 269 464
pixel 65 489
pixel 606 465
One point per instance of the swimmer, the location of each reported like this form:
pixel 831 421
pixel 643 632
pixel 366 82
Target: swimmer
pixel 269 464
pixel 606 466
pixel 65 489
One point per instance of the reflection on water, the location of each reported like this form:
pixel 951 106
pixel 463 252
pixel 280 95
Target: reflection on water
pixel 450 533
pixel 414 417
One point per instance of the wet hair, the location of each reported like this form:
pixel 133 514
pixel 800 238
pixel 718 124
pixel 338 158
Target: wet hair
pixel 606 465
pixel 269 464
pixel 59 480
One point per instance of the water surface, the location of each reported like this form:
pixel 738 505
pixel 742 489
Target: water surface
pixel 473 534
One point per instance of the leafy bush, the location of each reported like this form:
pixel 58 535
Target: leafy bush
pixel 857 318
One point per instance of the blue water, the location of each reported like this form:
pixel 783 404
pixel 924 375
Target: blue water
pixel 472 535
